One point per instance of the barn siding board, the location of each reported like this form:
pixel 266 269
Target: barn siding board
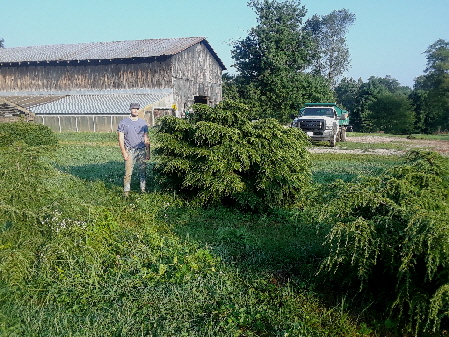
pixel 112 76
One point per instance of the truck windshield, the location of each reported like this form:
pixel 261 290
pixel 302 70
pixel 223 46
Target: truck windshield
pixel 327 112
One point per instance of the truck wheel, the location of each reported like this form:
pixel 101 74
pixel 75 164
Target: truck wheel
pixel 343 135
pixel 333 140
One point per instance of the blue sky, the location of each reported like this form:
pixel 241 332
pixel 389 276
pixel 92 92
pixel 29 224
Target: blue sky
pixel 388 37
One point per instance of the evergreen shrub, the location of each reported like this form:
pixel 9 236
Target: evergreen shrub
pixel 219 155
pixel 389 238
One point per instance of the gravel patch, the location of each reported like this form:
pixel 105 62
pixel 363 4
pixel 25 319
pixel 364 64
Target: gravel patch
pixel 440 146
pixel 385 152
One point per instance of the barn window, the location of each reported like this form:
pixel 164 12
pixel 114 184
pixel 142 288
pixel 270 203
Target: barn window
pixel 201 99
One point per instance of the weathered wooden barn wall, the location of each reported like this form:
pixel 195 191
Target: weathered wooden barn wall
pixel 65 76
pixel 196 73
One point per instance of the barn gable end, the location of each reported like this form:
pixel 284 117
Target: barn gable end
pixel 203 75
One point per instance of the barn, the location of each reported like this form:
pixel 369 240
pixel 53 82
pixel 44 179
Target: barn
pixel 88 87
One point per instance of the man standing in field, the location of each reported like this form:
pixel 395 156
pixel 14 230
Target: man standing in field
pixel 135 146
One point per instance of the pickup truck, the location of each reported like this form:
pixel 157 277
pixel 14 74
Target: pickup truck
pixel 322 122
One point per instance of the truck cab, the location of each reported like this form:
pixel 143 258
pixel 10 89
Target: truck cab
pixel 322 122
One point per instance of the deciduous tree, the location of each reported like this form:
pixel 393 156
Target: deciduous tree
pixel 392 113
pixel 367 94
pixel 271 61
pixel 329 33
pixel 431 92
pixel 438 58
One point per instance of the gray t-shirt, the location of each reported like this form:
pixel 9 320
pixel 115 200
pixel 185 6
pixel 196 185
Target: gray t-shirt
pixel 133 132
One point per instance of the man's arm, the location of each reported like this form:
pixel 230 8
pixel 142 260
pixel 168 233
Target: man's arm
pixel 121 143
pixel 147 145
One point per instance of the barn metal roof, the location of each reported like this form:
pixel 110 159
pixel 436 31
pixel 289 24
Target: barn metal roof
pixel 113 104
pixel 85 102
pixel 27 102
pixel 102 50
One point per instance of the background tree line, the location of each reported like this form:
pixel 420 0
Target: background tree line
pixel 382 104
pixel 286 61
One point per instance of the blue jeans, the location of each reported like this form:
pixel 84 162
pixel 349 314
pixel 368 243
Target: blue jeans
pixel 136 157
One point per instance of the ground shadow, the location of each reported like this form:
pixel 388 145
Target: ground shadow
pixel 278 246
pixel 280 250
pixel 110 173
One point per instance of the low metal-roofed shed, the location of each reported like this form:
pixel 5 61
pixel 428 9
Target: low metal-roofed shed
pixel 96 112
pixel 102 78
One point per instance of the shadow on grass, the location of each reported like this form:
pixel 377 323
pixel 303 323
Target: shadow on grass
pixel 278 245
pixel 110 173
pixel 282 249
pixel 323 177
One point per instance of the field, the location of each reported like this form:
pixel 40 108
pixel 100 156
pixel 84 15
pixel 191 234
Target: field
pixel 80 260
pixel 387 145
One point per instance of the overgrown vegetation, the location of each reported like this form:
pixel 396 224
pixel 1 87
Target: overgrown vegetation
pixel 33 135
pixel 77 259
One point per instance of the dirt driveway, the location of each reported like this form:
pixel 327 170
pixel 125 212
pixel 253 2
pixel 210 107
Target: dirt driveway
pixel 440 146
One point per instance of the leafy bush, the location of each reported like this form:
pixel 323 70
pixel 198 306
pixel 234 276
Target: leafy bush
pixel 390 237
pixel 28 133
pixel 218 155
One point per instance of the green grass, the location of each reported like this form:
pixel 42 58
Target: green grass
pixel 328 167
pixel 443 137
pixel 104 139
pixel 82 261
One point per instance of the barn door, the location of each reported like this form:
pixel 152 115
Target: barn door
pixel 201 99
